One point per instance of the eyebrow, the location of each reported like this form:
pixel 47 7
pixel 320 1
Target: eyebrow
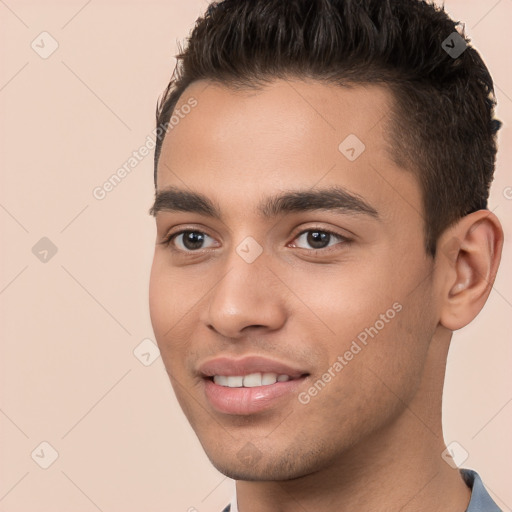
pixel 337 199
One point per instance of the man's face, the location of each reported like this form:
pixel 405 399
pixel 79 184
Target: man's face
pixel 265 289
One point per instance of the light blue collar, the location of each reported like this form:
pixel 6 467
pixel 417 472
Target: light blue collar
pixel 480 501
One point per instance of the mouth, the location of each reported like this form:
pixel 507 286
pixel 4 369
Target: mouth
pixel 252 380
pixel 249 385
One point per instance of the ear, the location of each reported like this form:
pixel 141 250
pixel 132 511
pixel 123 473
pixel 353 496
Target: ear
pixel 467 261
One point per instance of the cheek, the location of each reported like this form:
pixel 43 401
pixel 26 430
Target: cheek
pixel 167 309
pixel 377 380
pixel 394 359
pixel 378 327
pixel 169 297
pixel 343 301
pixel 160 297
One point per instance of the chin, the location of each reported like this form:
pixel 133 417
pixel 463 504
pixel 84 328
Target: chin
pixel 261 467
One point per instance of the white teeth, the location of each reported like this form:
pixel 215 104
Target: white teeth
pixel 249 381
pixel 252 380
pixel 220 380
pixel 235 381
pixel 268 378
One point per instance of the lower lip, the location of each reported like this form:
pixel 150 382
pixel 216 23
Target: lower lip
pixel 244 401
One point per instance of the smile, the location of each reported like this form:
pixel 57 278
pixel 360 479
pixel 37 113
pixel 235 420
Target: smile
pixel 251 380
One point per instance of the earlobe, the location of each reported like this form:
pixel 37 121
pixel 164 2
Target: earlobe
pixel 467 262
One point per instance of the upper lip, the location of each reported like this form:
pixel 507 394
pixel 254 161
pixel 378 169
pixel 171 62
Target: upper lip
pixel 244 366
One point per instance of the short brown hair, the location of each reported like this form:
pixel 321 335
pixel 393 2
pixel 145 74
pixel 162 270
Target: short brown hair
pixel 443 124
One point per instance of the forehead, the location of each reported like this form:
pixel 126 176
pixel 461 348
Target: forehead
pixel 288 112
pixel 289 134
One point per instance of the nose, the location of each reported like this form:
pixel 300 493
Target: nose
pixel 248 295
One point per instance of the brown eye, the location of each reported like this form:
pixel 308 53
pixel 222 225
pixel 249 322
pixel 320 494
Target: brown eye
pixel 188 240
pixel 319 239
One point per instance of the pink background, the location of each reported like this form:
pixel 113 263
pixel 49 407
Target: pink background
pixel 70 325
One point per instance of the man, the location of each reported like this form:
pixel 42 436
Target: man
pixel 321 179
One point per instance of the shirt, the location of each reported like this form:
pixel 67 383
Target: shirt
pixel 480 500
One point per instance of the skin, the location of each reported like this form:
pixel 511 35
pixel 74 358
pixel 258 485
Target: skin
pixel 378 421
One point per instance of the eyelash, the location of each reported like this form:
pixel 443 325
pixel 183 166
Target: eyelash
pixel 171 236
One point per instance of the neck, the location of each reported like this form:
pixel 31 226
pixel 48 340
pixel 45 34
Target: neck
pixel 398 467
